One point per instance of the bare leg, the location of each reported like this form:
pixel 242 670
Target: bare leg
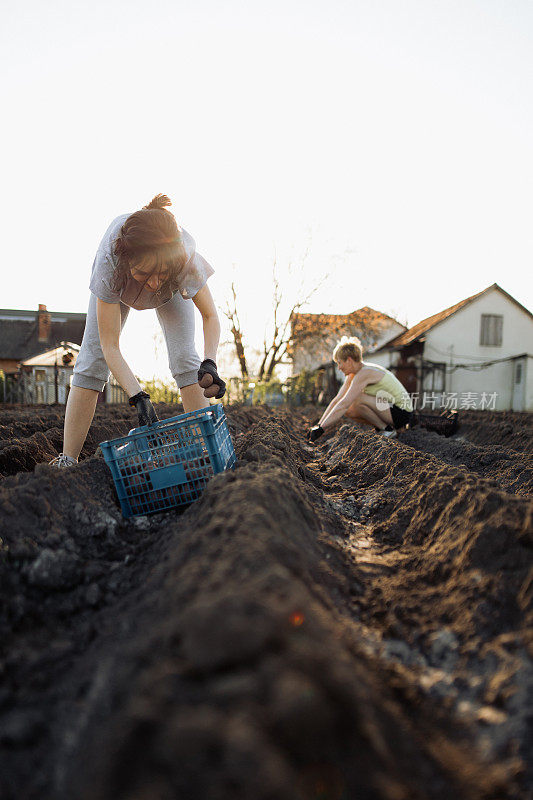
pixel 79 414
pixel 382 413
pixel 354 414
pixel 366 407
pixel 193 397
pixel 368 415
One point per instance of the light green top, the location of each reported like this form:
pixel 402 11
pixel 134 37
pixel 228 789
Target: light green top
pixel 389 388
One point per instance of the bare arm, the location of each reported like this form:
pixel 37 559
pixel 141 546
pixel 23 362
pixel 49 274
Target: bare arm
pixel 203 301
pixel 108 315
pixel 355 388
pixel 340 394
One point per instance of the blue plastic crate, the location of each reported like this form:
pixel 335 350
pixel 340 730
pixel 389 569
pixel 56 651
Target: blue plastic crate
pixel 167 464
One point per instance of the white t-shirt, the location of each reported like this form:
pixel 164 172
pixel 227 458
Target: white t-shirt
pixel 193 276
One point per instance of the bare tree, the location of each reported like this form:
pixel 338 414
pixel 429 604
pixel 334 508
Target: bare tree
pixel 278 333
pixel 275 345
pixel 232 314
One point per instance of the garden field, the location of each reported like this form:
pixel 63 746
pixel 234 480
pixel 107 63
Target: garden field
pixel 346 621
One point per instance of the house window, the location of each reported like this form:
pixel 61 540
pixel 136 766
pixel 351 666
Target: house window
pixel 40 386
pixel 518 373
pixel 491 330
pixel 433 377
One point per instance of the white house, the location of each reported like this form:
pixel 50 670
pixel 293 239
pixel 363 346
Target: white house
pixel 476 354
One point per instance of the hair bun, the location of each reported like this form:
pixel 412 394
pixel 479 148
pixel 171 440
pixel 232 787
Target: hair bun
pixel 159 201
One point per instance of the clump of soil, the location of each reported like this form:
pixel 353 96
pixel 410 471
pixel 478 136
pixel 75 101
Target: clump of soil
pixel 511 429
pixel 506 468
pixel 347 620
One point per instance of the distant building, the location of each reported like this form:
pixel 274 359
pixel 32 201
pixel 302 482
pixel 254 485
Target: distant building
pixel 24 334
pixel 477 353
pixel 38 350
pixel 314 336
pixel 313 339
pixel 45 378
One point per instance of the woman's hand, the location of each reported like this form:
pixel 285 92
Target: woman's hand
pixel 210 380
pixel 145 409
pixel 315 433
pixel 208 377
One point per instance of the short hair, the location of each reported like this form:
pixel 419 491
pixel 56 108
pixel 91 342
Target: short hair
pixel 348 348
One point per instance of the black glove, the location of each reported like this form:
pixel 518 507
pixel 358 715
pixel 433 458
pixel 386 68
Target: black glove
pixel 315 433
pixel 210 380
pixel 145 409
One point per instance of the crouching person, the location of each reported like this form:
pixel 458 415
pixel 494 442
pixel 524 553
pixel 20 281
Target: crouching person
pixel 369 394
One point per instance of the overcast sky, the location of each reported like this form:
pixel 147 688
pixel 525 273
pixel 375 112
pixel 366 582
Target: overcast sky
pixel 391 136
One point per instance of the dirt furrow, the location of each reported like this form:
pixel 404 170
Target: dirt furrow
pixel 347 620
pixel 511 470
pixel 454 603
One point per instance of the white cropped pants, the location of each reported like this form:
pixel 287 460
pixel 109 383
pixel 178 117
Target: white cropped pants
pixel 176 318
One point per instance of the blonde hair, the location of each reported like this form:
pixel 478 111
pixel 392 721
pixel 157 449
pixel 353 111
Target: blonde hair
pixel 348 347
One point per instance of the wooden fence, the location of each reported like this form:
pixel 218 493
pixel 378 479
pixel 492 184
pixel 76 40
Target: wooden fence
pixel 32 389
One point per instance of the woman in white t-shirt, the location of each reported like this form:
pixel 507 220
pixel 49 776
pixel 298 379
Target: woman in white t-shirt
pixel 144 261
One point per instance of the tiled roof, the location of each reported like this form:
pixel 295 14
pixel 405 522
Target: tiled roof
pixel 19 332
pixel 304 325
pixel 414 333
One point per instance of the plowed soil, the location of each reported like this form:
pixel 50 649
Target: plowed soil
pixel 351 620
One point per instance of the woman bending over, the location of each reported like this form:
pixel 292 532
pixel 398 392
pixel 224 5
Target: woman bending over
pixel 145 260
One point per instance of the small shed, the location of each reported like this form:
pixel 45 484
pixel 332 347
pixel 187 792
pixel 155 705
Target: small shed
pixel 26 333
pixel 45 378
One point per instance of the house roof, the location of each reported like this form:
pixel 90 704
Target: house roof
pixel 417 331
pixel 304 325
pixel 55 356
pixel 19 332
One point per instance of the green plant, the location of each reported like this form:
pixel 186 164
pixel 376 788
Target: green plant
pixel 161 392
pixel 302 388
pixel 270 391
